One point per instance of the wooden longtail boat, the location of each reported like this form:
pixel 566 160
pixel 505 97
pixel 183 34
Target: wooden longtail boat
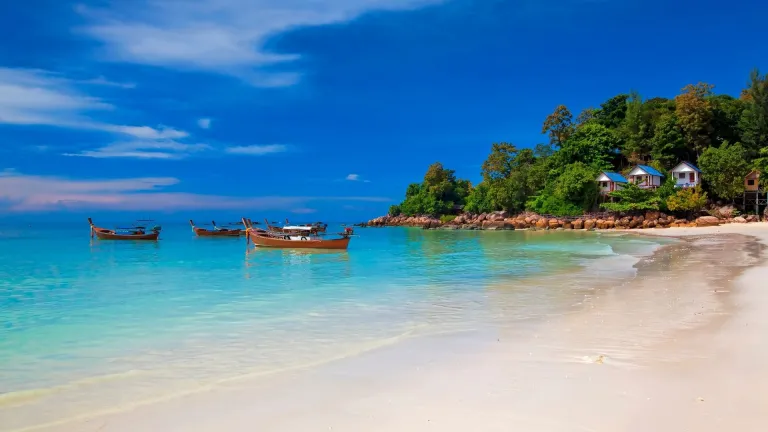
pixel 288 240
pixel 312 229
pixel 215 232
pixel 133 233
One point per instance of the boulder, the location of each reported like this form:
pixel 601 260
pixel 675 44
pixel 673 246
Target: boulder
pixel 739 219
pixel 578 224
pixel 705 221
pixel 567 225
pixel 652 215
pixel 542 223
pixel 497 225
pixel 554 224
pixel 589 224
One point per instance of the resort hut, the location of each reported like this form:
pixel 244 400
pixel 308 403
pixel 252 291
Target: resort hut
pixel 686 175
pixel 610 181
pixel 646 177
pixel 752 181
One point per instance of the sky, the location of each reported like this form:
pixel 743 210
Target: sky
pixel 319 109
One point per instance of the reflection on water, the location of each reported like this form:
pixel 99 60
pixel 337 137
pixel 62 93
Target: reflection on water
pixel 170 316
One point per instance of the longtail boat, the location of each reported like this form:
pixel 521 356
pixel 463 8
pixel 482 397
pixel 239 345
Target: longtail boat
pixel 215 232
pixel 313 229
pixel 292 240
pixel 133 233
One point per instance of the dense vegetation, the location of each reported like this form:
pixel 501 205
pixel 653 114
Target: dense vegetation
pixel 723 135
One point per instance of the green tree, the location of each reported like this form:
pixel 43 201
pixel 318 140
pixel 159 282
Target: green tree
pixel 612 112
pixel 754 120
pixel 727 112
pixel 667 143
pixel 394 210
pixel 724 169
pixel 694 113
pixel 559 125
pixel 632 198
pixel 585 116
pixel 571 193
pixel 636 130
pixel 688 200
pixel 499 163
pixel 478 200
pixel 593 145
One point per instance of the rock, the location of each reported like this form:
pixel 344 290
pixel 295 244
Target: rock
pixel 554 223
pixel 652 215
pixel 497 225
pixel 705 221
pixel 590 224
pixel 578 224
pixel 739 219
pixel 567 225
pixel 542 223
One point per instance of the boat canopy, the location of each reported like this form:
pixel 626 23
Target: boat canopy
pixel 298 228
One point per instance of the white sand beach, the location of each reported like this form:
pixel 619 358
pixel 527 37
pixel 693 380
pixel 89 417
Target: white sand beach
pixel 682 349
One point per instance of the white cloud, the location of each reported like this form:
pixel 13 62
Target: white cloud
pixel 224 36
pixel 356 178
pixel 204 123
pixel 37 97
pixel 166 149
pixel 101 81
pixel 30 193
pixel 257 150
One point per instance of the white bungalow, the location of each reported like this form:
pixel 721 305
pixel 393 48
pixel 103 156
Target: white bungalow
pixel 610 181
pixel 646 177
pixel 686 175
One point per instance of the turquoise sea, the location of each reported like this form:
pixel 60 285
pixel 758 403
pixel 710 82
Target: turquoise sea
pixel 89 326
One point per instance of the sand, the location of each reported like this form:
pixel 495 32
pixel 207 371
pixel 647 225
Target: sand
pixel 680 348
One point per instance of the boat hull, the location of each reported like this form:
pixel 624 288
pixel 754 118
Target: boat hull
pixel 202 232
pixel 276 242
pixel 104 234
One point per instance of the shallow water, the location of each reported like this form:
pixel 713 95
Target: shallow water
pixel 89 325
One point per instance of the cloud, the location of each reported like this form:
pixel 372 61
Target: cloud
pixel 356 178
pixel 38 97
pixel 222 36
pixel 204 123
pixel 32 193
pixel 257 150
pixel 101 81
pixel 166 149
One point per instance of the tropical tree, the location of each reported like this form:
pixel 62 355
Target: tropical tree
pixel 632 198
pixel 724 169
pixel 694 113
pixel 688 200
pixel 559 125
pixel 754 120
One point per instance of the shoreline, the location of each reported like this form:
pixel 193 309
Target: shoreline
pixel 576 371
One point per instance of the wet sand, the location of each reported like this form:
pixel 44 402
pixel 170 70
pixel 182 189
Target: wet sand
pixel 681 347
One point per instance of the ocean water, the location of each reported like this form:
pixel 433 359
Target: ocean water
pixel 90 326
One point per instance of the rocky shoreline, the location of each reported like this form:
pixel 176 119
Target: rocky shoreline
pixel 500 221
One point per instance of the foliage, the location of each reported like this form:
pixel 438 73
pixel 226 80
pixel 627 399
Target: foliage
pixel 633 198
pixel 687 200
pixel 394 210
pixel 593 144
pixel 499 162
pixel 436 195
pixel 724 169
pixel 754 120
pixel 447 218
pixel 667 142
pixel 559 125
pixel 612 112
pixel 636 130
pixel 571 193
pixel 694 112
pixel 478 200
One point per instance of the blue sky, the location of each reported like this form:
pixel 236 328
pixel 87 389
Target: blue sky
pixel 311 109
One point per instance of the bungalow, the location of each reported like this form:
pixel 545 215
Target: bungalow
pixel 610 181
pixel 646 177
pixel 752 181
pixel 686 175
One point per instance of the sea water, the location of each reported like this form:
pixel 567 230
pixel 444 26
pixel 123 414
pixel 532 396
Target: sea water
pixel 88 326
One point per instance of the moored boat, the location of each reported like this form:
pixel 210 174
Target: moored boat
pixel 215 232
pixel 133 233
pixel 296 240
pixel 312 229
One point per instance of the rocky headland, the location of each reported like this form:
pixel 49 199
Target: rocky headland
pixel 501 220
